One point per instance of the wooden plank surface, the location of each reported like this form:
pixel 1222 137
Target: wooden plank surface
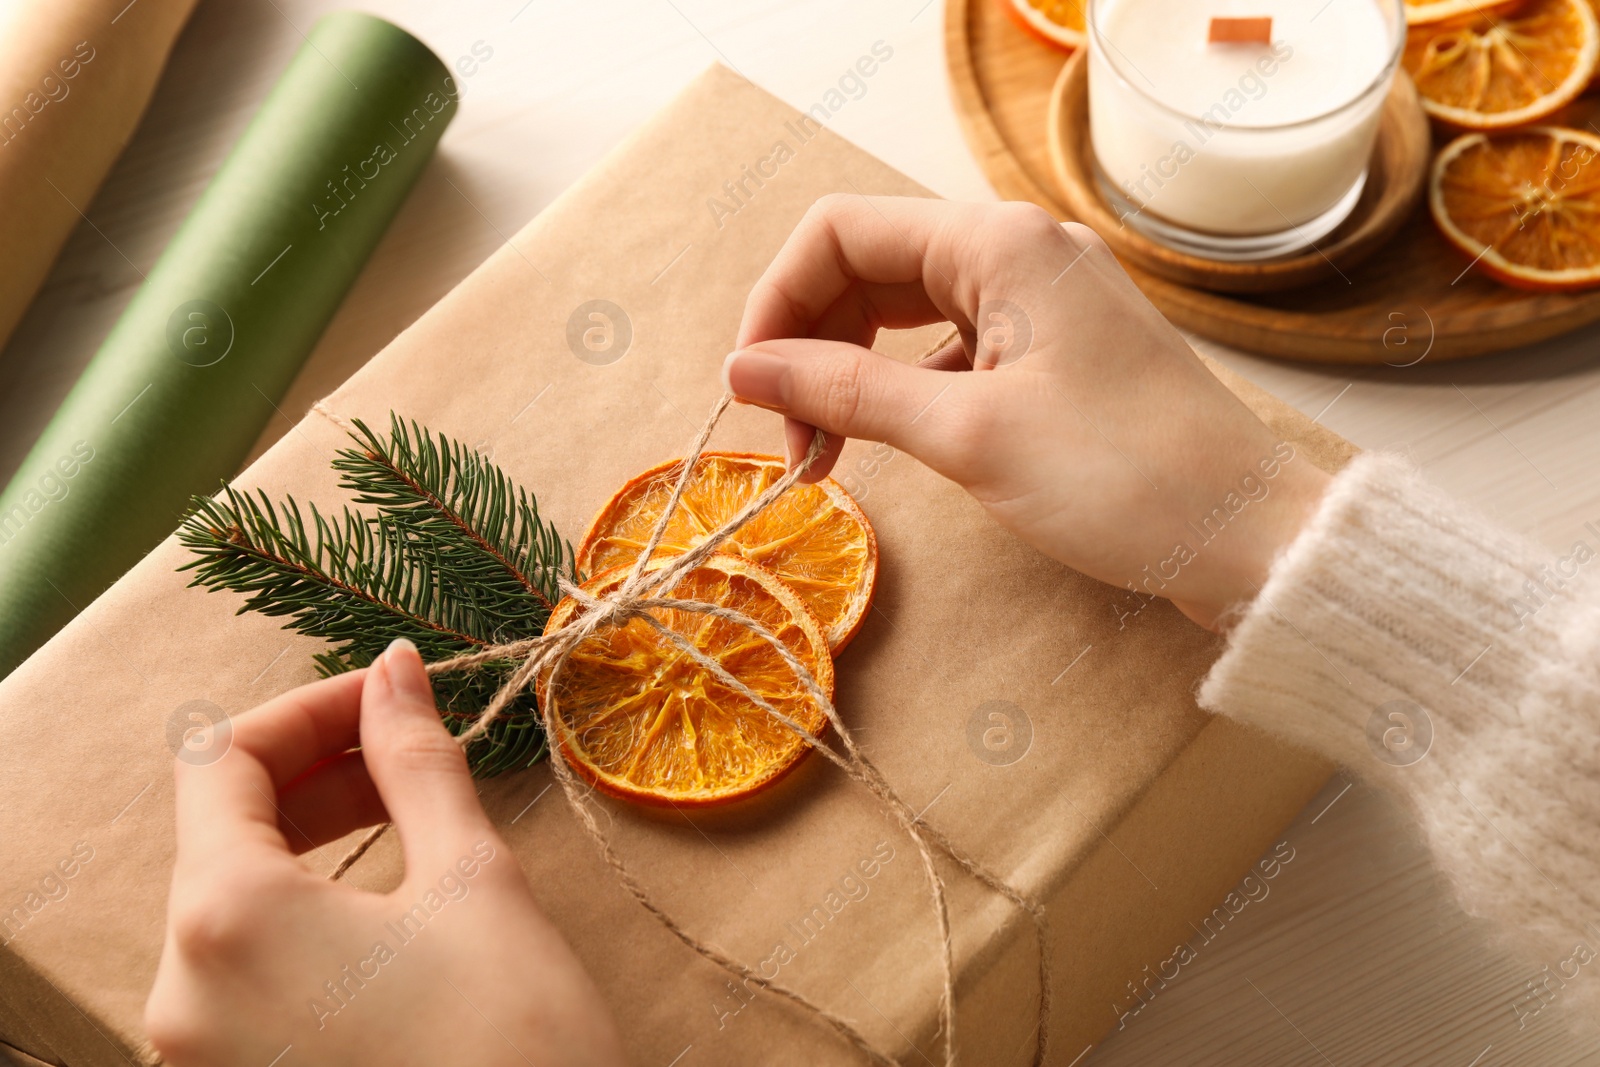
pixel 1357 955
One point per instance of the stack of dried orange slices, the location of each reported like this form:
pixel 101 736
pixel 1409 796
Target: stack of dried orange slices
pixel 1518 195
pixel 638 717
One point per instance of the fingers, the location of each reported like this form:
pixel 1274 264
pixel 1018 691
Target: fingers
pixel 864 308
pixel 952 356
pixel 334 798
pixel 842 389
pixel 908 262
pixel 290 733
pixel 903 245
pixel 797 438
pixel 418 769
pixel 857 264
pixel 230 803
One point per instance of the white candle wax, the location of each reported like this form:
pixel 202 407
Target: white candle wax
pixel 1238 139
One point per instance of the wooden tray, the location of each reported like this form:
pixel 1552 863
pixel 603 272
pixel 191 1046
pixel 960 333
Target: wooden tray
pixel 1415 298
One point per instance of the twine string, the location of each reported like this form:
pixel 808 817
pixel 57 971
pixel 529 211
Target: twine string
pixel 640 596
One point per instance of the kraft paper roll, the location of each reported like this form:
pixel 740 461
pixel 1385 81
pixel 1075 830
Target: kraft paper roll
pixel 75 76
pixel 179 391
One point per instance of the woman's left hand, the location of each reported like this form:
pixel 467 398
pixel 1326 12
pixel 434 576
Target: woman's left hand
pixel 267 961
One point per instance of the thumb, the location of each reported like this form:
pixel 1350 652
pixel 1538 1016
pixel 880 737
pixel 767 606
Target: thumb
pixel 419 770
pixel 842 389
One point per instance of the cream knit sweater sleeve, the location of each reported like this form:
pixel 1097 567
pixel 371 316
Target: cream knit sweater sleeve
pixel 1427 649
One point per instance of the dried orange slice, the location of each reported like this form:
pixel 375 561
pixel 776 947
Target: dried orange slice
pixel 815 537
pixel 1524 204
pixel 1493 70
pixel 1594 6
pixel 635 715
pixel 1055 22
pixel 1423 11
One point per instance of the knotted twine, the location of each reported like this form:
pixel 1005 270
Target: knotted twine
pixel 639 595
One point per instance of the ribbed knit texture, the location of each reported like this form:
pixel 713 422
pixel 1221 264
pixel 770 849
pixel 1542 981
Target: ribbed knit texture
pixel 1395 592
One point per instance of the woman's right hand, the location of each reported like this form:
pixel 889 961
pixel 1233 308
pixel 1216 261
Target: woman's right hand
pixel 1091 430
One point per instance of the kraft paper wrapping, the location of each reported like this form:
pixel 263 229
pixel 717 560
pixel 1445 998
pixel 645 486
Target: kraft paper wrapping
pixel 1113 799
pixel 75 76
pixel 182 386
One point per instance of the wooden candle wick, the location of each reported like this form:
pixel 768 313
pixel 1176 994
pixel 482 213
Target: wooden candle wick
pixel 1240 31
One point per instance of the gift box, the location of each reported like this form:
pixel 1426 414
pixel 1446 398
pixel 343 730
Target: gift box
pixel 1042 721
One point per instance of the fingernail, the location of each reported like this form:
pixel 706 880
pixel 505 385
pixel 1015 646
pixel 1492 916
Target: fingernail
pixel 759 377
pixel 402 667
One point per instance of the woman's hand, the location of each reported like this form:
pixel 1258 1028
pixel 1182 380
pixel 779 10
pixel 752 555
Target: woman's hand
pixel 457 965
pixel 1095 433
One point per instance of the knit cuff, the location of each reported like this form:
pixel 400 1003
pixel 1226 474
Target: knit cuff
pixel 1393 592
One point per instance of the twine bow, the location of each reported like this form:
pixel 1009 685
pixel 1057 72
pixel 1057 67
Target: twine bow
pixel 643 592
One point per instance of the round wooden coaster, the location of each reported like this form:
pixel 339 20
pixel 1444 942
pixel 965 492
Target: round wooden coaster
pixel 1416 298
pixel 1395 181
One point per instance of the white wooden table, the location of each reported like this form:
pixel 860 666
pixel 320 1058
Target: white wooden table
pixel 1357 956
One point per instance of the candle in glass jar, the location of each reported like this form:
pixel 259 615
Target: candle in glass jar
pixel 1242 137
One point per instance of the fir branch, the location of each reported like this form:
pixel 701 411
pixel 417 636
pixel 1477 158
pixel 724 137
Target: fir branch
pixel 456 558
pixel 349 582
pixel 446 495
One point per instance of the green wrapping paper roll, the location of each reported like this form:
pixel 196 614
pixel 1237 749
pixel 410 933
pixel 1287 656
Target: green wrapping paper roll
pixel 183 385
